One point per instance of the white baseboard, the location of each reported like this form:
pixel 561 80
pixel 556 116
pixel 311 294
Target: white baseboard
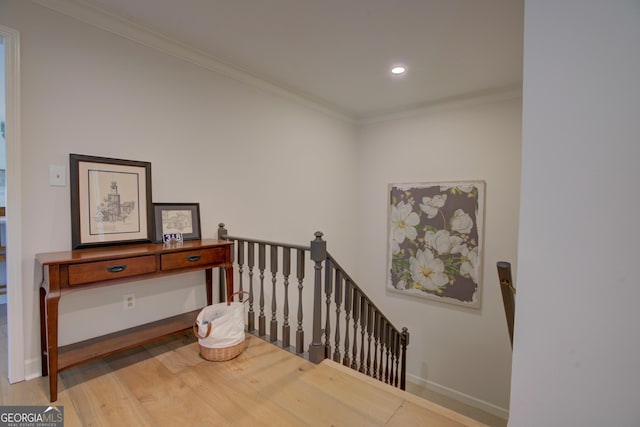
pixel 461 397
pixel 32 368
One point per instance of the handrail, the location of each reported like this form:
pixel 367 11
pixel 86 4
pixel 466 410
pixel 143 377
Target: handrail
pixel 508 295
pixel 267 242
pixel 347 277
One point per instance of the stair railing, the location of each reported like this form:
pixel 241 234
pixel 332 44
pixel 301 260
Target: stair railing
pixel 346 326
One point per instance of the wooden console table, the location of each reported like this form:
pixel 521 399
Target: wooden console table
pixel 66 272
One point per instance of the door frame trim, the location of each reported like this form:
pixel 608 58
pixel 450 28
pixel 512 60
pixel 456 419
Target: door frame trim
pixel 15 305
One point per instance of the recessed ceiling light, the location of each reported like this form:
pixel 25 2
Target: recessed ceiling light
pixel 398 70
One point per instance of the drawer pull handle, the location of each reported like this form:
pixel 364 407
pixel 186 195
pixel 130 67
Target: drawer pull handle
pixel 193 258
pixel 116 268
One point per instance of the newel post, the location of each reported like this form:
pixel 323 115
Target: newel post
pixel 222 232
pixel 404 342
pixel 318 255
pixel 222 286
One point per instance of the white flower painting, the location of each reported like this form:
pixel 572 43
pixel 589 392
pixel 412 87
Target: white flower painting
pixel 435 241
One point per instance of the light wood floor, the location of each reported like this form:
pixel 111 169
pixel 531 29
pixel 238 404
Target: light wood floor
pixel 167 384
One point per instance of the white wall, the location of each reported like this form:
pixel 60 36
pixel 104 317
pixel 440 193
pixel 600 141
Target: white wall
pixel 577 341
pixel 265 166
pixel 461 351
pixel 3 159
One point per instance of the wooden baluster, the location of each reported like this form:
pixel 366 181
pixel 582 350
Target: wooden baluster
pixel 347 309
pixel 356 315
pixel 286 271
pixel 338 301
pixel 383 327
pixel 387 345
pixel 376 325
pixel 363 326
pixel 250 263
pixel 273 258
pixel 240 244
pixel 369 332
pixel 393 356
pixel 261 266
pixel 300 275
pixel 396 351
pixel 328 288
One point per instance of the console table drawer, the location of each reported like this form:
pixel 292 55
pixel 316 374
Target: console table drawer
pixel 90 272
pixel 192 258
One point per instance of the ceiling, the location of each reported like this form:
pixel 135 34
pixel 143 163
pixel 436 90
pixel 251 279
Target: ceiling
pixel 338 53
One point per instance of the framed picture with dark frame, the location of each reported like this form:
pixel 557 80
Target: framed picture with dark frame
pixel 110 201
pixel 171 218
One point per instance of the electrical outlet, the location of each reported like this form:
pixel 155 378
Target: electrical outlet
pixel 129 301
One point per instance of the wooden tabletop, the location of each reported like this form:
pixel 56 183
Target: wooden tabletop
pixel 109 252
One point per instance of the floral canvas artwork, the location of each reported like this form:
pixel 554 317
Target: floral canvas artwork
pixel 435 241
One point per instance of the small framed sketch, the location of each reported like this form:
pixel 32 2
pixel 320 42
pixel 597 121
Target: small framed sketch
pixel 173 218
pixel 110 201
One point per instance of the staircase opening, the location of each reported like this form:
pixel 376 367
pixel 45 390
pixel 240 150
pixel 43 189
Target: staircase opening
pixel 303 300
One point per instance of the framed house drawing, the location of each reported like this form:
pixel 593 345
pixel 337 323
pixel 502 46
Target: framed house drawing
pixel 110 201
pixel 171 218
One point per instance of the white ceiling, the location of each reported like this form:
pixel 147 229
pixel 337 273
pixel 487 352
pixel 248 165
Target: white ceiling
pixel 337 53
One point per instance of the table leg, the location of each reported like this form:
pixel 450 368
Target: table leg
pixel 229 279
pixel 209 278
pixel 43 333
pixel 51 314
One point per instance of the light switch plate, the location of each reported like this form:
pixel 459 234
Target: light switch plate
pixel 57 176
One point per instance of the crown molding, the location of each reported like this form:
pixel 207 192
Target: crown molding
pixel 470 99
pixel 96 16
